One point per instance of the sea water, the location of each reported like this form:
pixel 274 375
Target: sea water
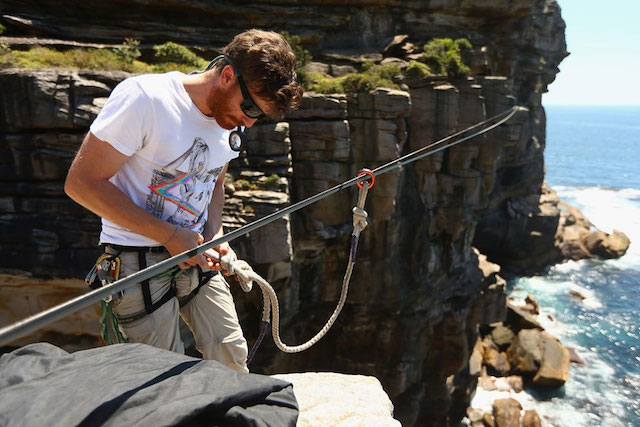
pixel 592 161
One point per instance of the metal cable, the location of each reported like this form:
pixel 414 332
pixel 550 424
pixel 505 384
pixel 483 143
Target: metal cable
pixel 36 321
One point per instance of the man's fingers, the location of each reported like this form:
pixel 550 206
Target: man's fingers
pixel 201 261
pixel 211 253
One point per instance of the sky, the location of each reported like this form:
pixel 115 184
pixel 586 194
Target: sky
pixel 604 66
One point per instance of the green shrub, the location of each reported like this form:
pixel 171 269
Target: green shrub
pixel 272 179
pixel 243 184
pixel 418 69
pixel 2 29
pixel 303 56
pixel 443 56
pixel 372 77
pixel 4 49
pixel 318 82
pixel 128 51
pixel 175 53
pixel 367 65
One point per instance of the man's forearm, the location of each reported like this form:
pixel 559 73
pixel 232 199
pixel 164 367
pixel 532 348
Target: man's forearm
pixel 213 227
pixel 107 201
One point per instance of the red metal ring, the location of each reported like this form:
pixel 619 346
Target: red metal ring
pixel 366 172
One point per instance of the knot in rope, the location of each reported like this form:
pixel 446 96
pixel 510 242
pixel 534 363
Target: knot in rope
pixel 360 218
pixel 240 268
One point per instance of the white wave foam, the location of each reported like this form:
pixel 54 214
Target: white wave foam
pixel 569 266
pixel 608 210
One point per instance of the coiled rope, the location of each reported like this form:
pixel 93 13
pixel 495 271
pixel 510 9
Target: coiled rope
pixel 36 321
pixel 270 310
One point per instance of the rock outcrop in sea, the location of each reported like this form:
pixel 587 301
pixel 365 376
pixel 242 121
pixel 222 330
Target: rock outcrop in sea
pixel 421 285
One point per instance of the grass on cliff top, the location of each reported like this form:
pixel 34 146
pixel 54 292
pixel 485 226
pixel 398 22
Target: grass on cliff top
pixel 169 56
pixel 371 77
pixel 441 56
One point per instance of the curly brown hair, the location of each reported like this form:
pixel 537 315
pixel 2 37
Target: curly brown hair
pixel 267 64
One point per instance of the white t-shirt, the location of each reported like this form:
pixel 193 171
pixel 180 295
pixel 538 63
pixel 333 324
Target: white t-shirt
pixel 175 153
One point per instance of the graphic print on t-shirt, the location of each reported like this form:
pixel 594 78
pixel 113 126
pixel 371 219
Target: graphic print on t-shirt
pixel 187 192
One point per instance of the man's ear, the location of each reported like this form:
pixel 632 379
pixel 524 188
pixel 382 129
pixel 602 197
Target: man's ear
pixel 227 76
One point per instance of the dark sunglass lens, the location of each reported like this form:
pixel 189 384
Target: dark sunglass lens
pixel 251 110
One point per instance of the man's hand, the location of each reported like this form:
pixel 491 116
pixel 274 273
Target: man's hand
pixel 222 250
pixel 184 239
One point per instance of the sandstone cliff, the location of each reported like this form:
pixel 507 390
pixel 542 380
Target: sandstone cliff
pixel 417 292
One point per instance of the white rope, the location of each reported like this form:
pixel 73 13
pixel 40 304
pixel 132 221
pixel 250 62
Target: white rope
pixel 246 276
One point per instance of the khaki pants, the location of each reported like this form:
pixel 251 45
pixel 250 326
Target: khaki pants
pixel 211 313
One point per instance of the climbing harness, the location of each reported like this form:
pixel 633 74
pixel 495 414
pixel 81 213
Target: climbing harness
pixel 106 270
pixel 36 321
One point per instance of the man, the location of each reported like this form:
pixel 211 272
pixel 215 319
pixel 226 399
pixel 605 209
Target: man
pixel 153 165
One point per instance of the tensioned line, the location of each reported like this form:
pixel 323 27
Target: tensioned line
pixel 36 321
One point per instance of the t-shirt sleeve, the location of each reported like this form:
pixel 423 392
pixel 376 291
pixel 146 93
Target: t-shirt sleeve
pixel 123 120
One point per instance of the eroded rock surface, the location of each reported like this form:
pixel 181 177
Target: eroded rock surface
pixel 330 399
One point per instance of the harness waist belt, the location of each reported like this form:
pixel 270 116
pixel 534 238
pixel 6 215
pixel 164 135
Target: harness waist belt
pixel 150 249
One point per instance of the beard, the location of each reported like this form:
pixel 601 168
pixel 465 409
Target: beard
pixel 221 109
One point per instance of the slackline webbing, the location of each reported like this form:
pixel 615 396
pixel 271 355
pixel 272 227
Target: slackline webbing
pixel 36 321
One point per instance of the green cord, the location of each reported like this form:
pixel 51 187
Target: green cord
pixel 108 320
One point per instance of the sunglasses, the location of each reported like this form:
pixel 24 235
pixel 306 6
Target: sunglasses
pixel 248 106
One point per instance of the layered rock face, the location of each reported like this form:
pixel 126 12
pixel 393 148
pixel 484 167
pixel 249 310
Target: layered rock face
pixel 418 290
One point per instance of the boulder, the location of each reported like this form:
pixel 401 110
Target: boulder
pixel 475 361
pixel 502 336
pixel 577 294
pixel 554 370
pixel 576 240
pixel 574 357
pixel 605 245
pixel 399 47
pixel 474 414
pixel 533 302
pixel 329 399
pixel 496 361
pixel 524 354
pixel 487 420
pixel 531 419
pixel 573 228
pixel 507 412
pixel 516 383
pixel 518 318
pixel 487 383
pixel 541 355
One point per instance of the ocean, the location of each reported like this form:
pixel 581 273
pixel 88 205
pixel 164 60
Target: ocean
pixel 593 162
